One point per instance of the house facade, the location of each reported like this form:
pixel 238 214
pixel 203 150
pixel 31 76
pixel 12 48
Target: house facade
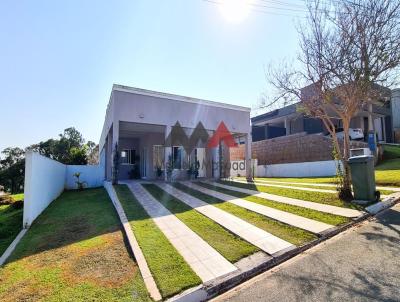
pixel 382 118
pixel 151 135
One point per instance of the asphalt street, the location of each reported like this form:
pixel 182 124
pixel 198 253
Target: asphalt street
pixel 361 264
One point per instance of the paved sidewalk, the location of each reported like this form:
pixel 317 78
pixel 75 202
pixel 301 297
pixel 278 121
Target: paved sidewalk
pixel 310 225
pixel 205 261
pixel 256 236
pixel 361 264
pixel 297 202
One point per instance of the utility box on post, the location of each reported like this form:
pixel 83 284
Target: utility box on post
pixel 363 178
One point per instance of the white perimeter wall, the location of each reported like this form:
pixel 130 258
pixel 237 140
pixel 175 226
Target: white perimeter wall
pixel 46 179
pixel 304 169
pixel 44 182
pixel 91 174
pixel 238 168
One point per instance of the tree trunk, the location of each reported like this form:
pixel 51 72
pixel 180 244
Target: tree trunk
pixel 346 190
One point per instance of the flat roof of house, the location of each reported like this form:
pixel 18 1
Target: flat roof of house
pixel 284 111
pixel 176 97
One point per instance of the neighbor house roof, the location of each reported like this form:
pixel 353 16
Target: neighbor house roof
pixel 285 111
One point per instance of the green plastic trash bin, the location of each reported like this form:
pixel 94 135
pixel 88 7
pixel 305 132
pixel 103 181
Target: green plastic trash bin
pixel 363 177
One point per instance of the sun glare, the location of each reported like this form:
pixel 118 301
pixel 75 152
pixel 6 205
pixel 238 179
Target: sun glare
pixel 235 10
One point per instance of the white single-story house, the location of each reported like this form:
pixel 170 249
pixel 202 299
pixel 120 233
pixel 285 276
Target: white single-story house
pixel 147 134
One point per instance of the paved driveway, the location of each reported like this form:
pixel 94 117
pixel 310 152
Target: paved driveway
pixel 362 264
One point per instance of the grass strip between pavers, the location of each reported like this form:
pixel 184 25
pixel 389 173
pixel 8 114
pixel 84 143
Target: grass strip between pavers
pixel 286 232
pixel 74 251
pixel 170 271
pixel 333 188
pixel 308 213
pixel 319 197
pixel 230 246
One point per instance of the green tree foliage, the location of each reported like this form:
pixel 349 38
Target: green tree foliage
pixel 12 169
pixel 70 148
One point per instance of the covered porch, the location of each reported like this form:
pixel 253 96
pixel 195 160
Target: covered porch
pixel 162 152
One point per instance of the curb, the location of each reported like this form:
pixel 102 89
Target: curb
pixel 254 265
pixel 12 246
pixel 384 204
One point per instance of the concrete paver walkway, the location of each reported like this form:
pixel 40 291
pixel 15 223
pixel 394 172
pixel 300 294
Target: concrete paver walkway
pixel 297 202
pixel 329 185
pixel 205 261
pixel 310 225
pixel 256 236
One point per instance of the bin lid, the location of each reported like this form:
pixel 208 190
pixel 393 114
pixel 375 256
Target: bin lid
pixel 361 159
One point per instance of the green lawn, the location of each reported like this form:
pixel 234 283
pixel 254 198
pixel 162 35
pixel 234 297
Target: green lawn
pixel 10 225
pixel 227 244
pixel 18 197
pixel 289 233
pixel 74 251
pixel 170 271
pixel 333 188
pixel 309 213
pixel 387 173
pixel 391 152
pixel 325 198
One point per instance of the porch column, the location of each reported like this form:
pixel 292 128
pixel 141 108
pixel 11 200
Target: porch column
pixel 167 151
pixel 287 126
pixel 370 119
pixel 215 165
pixel 115 140
pixel 383 122
pixel 247 155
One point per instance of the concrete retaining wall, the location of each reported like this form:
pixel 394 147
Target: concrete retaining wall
pixel 304 169
pixel 93 175
pixel 46 179
pixel 44 182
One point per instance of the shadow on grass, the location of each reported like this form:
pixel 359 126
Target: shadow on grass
pixel 75 216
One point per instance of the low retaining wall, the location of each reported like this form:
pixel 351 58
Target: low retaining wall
pixel 93 175
pixel 46 179
pixel 304 169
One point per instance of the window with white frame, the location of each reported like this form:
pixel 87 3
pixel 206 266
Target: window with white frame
pixel 128 157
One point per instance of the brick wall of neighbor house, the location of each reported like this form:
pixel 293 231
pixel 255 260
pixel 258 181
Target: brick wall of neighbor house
pixel 295 148
pixel 236 153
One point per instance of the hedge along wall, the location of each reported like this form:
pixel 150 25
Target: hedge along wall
pixel 46 179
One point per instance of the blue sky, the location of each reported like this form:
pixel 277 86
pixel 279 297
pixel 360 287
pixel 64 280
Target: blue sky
pixel 59 59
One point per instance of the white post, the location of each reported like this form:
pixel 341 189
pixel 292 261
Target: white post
pixel 167 151
pixel 287 126
pixel 370 120
pixel 249 175
pixel 215 162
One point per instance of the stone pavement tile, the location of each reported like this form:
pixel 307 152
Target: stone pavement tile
pixel 282 216
pixel 297 202
pixel 252 234
pixel 183 238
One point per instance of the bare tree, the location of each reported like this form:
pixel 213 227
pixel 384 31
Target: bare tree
pixel 349 51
